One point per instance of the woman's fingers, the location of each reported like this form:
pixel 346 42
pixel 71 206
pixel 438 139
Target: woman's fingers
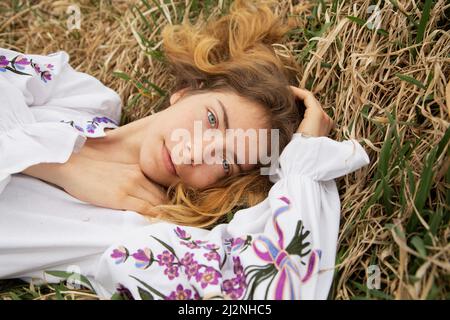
pixel 331 124
pixel 308 98
pixel 315 121
pixel 301 93
pixel 150 196
pixel 144 196
pixel 158 193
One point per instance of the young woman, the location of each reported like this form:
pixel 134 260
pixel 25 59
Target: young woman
pixel 53 124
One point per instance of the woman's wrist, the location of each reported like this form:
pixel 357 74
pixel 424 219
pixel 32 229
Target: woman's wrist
pixel 306 135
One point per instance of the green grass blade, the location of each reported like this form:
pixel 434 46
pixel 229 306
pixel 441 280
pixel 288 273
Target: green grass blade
pixel 424 20
pixel 121 75
pixel 411 80
pixel 66 275
pixel 417 242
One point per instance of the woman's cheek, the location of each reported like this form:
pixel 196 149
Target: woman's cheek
pixel 205 176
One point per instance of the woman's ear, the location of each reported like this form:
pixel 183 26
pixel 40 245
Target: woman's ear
pixel 177 95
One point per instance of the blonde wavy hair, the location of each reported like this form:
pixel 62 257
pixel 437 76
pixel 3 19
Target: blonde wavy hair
pixel 233 53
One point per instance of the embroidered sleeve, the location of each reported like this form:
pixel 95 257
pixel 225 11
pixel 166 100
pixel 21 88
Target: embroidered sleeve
pixel 19 63
pixel 47 109
pixel 25 142
pixel 50 82
pixel 92 127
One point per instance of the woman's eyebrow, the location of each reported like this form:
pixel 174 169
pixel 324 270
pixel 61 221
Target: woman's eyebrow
pixel 225 120
pixel 225 116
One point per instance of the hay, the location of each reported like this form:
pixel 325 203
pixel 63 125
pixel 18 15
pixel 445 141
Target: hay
pixel 389 89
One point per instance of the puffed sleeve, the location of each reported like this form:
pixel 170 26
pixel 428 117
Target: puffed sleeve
pixel 326 159
pixel 47 110
pixel 282 248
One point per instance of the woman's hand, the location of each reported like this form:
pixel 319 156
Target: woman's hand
pixel 315 122
pixel 106 184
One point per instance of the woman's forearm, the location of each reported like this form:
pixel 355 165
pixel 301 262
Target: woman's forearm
pixel 55 173
pixel 127 188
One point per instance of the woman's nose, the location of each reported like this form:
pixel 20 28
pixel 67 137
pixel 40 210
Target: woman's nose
pixel 203 152
pixel 191 155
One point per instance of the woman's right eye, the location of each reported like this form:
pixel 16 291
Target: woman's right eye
pixel 212 119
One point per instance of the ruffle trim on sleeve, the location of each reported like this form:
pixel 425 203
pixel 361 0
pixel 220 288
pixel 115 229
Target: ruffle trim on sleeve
pixel 36 143
pixel 93 128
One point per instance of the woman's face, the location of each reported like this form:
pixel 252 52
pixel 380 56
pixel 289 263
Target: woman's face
pixel 189 141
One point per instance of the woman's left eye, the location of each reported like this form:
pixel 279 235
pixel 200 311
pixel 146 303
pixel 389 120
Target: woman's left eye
pixel 212 119
pixel 226 165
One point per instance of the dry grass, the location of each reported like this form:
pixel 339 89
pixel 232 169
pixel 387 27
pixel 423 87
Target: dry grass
pixel 389 89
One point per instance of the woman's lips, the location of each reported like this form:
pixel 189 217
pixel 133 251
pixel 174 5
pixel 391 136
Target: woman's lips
pixel 170 167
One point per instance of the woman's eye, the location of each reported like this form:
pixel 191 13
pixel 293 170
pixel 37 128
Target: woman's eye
pixel 226 165
pixel 212 119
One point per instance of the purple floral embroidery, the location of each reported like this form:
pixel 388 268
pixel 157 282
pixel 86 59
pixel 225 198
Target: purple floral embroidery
pixel 213 255
pixel 236 244
pixel 232 289
pixel 182 234
pixel 236 286
pixel 279 266
pixel 37 68
pixel 92 125
pixel 20 62
pixel 165 259
pixel 279 270
pixel 172 272
pixel 209 276
pixel 187 259
pixel 212 246
pixel 46 76
pixel 120 254
pixel 194 244
pixel 15 65
pixel 91 128
pixel 180 294
pixel 143 257
pixel 192 269
pixel 103 120
pixel 190 245
pixel 3 63
pixel 174 265
pixel 237 267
